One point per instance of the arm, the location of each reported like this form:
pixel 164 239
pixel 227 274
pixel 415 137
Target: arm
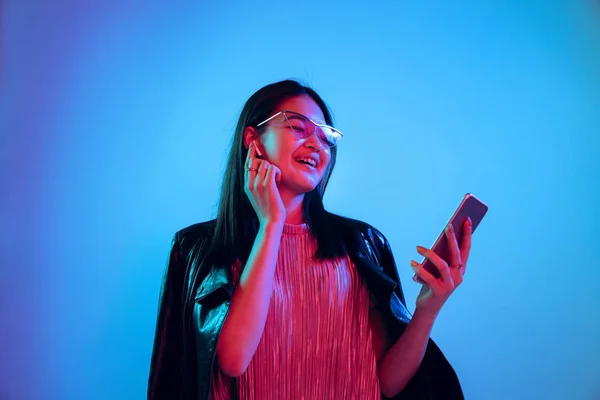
pixel 245 323
pixel 400 363
pixel 165 381
pixel 414 349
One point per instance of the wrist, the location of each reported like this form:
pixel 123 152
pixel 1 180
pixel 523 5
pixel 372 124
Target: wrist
pixel 426 316
pixel 272 227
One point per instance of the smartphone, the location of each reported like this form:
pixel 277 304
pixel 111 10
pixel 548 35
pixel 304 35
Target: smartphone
pixel 470 207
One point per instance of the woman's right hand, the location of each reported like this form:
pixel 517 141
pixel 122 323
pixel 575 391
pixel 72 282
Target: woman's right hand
pixel 260 185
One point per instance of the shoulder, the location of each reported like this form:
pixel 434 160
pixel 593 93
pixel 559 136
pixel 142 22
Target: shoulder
pixel 188 248
pixel 193 235
pixel 197 230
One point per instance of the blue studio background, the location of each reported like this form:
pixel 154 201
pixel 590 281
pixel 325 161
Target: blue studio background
pixel 115 119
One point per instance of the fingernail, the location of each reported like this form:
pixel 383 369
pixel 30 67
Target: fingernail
pixel 414 264
pixel 420 249
pixel 449 228
pixel 468 222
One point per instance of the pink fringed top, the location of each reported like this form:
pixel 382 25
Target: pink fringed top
pixel 317 341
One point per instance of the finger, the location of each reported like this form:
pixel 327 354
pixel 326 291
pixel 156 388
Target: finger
pixel 269 175
pixel 258 171
pixel 439 263
pixel 425 276
pixel 276 172
pixel 251 151
pixel 457 275
pixel 250 178
pixel 251 167
pixel 455 259
pixel 251 154
pixel 465 244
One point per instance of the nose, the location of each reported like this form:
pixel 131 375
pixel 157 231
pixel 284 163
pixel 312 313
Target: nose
pixel 313 142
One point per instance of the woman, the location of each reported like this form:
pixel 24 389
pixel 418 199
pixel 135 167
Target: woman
pixel 280 299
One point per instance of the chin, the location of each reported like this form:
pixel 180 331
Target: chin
pixel 303 186
pixel 301 183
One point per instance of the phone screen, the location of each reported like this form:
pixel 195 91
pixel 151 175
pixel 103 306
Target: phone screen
pixel 470 207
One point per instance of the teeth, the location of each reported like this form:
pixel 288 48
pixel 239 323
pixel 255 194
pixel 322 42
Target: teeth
pixel 308 161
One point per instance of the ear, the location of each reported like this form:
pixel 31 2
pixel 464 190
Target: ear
pixel 250 134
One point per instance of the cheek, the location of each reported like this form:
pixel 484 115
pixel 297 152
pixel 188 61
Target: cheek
pixel 326 163
pixel 274 148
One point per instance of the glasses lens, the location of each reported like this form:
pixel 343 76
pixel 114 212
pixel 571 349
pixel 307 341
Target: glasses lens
pixel 300 124
pixel 328 135
pixel 303 128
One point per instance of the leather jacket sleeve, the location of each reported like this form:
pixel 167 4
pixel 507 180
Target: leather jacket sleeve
pixel 435 378
pixel 166 378
pixel 389 267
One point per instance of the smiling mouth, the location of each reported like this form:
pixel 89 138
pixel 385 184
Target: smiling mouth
pixel 307 165
pixel 307 161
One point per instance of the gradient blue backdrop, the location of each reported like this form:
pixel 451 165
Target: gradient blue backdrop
pixel 115 118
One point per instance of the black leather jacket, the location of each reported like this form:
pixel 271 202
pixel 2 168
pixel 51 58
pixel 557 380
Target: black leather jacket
pixel 195 299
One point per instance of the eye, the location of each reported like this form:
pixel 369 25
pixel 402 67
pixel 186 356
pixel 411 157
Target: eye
pixel 298 128
pixel 297 123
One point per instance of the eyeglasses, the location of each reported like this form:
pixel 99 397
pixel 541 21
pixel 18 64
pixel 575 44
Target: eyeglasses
pixel 303 127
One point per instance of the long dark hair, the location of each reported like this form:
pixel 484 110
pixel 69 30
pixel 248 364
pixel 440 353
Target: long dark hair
pixel 236 222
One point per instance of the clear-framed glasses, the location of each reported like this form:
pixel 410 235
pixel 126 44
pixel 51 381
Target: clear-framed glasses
pixel 303 127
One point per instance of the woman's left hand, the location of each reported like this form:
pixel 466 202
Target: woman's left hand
pixel 436 291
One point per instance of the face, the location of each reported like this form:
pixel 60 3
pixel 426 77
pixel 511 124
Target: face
pixel 284 149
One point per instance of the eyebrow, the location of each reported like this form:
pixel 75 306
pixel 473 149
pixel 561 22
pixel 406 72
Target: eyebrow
pixel 298 115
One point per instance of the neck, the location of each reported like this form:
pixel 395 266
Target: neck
pixel 293 208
